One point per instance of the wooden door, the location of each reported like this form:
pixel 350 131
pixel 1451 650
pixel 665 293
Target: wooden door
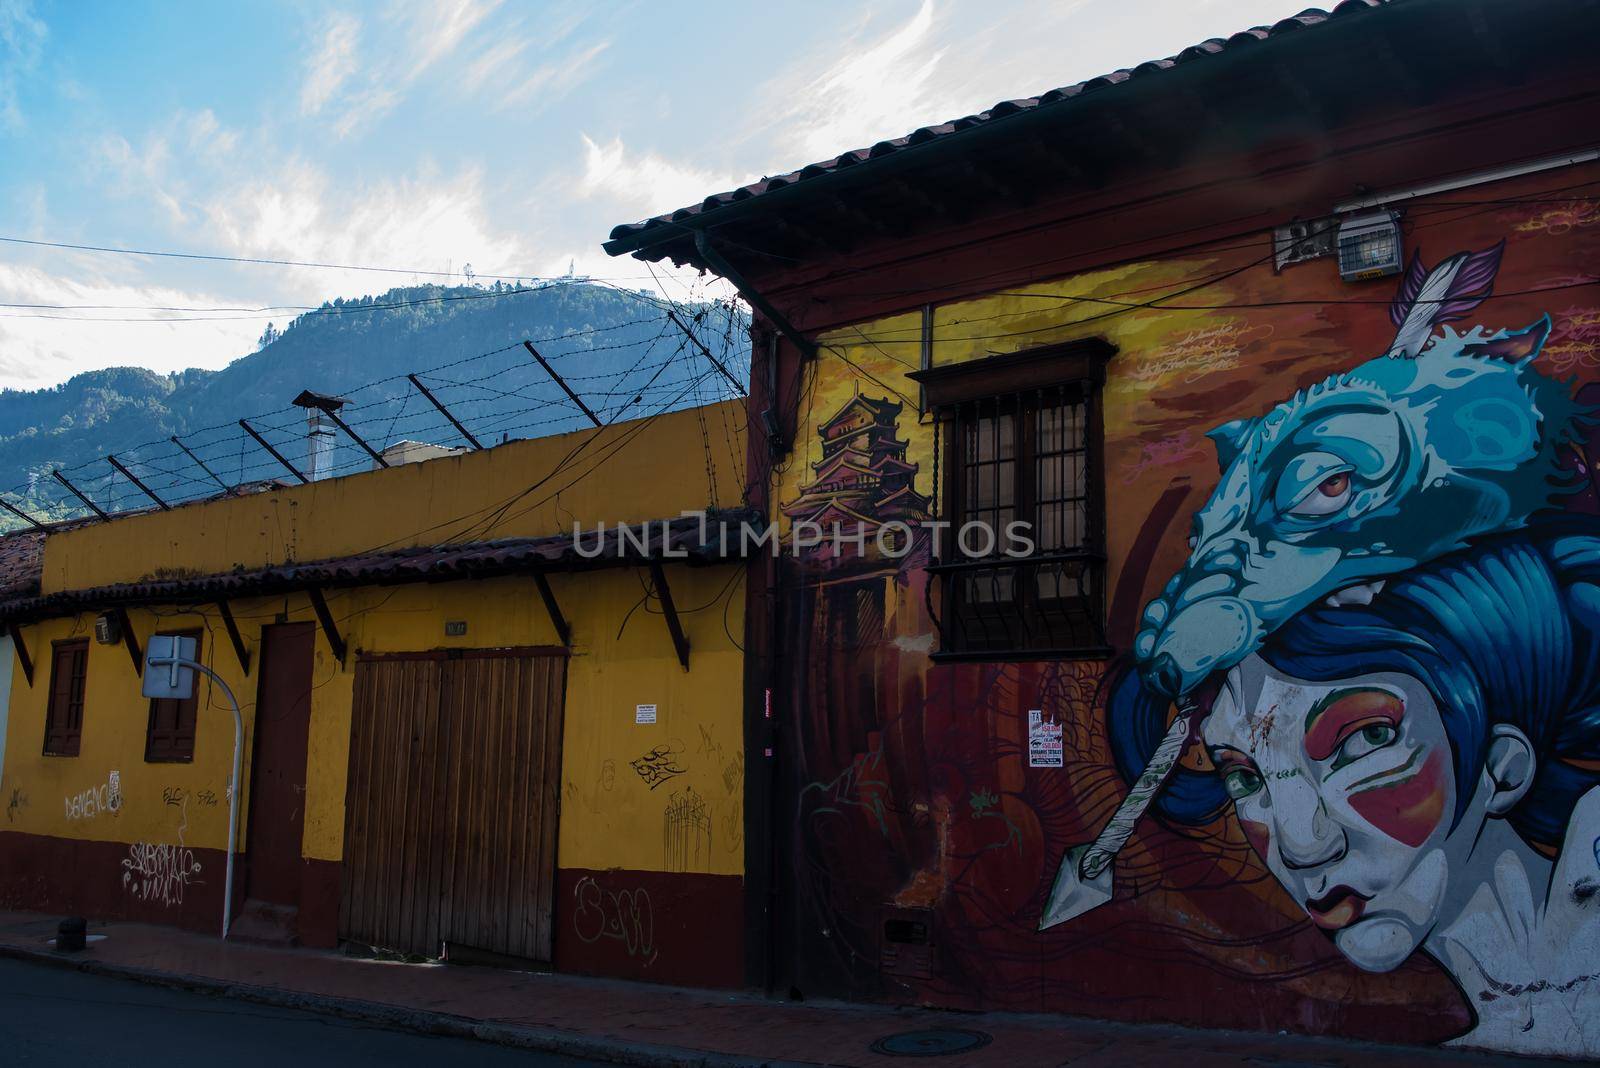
pixel 450 812
pixel 278 769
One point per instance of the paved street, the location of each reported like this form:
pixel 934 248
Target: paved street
pixel 52 1016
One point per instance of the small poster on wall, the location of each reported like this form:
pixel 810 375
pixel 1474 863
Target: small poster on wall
pixel 644 713
pixel 1044 741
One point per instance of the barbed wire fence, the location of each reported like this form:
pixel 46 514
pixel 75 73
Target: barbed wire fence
pixel 499 395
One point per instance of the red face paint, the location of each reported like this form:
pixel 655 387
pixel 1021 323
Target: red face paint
pixel 1256 834
pixel 1407 810
pixel 1328 724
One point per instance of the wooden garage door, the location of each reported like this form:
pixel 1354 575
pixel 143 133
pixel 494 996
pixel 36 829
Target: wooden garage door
pixel 450 812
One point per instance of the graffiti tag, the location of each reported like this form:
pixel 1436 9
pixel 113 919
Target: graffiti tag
pixel 1198 353
pixel 862 786
pixel 686 832
pixel 159 872
pixel 1558 221
pixel 657 766
pixel 709 746
pixel 1575 344
pixel 1172 449
pixel 177 795
pixel 18 802
pixel 107 797
pixel 624 916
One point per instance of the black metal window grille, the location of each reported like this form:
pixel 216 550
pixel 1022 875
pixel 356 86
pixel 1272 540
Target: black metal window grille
pixel 1023 463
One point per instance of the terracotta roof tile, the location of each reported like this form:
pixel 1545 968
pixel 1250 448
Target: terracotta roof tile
pixel 924 134
pixel 435 563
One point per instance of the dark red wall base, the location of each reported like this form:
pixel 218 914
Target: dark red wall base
pixel 110 881
pixel 664 927
pixel 318 922
pixel 678 928
pixel 116 881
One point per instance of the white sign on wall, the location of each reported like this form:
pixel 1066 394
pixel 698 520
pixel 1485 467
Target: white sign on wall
pixel 1044 741
pixel 644 713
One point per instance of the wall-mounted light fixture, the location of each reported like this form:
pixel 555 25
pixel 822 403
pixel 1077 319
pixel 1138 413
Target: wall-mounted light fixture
pixel 1370 246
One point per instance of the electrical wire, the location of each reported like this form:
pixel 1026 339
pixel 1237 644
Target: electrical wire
pixel 263 261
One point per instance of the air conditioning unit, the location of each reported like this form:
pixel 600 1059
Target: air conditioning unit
pixel 108 628
pixel 1303 240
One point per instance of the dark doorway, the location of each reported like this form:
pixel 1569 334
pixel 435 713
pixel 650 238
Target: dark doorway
pixel 278 783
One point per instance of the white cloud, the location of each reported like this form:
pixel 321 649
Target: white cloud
pixel 22 37
pixel 367 106
pixel 215 199
pixel 645 182
pixel 863 96
pixel 492 61
pixel 36 351
pixel 332 64
pixel 552 81
pixel 438 27
pixel 209 138
pixel 299 212
pixel 416 37
pixel 142 171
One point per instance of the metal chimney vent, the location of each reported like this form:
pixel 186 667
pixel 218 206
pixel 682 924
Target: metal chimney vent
pixel 320 429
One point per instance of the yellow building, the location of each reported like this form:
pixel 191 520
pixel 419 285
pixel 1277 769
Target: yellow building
pixel 460 727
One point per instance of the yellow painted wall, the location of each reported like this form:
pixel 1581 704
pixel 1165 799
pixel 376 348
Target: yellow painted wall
pixel 1158 349
pixel 610 816
pixel 630 472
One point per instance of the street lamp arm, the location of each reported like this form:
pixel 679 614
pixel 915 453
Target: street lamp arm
pixel 233 782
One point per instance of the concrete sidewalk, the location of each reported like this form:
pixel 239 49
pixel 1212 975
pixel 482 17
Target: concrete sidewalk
pixel 641 1024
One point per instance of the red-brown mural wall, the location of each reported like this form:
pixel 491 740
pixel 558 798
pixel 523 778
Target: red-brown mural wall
pixel 920 848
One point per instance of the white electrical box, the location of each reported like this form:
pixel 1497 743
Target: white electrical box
pixel 164 676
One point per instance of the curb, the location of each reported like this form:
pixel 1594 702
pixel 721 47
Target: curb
pixel 419 1021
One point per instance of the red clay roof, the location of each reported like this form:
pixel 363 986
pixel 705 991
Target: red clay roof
pixel 925 134
pixel 21 562
pixel 438 563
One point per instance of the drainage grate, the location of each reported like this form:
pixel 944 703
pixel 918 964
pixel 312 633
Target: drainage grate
pixel 938 1043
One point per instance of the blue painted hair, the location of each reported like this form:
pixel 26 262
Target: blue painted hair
pixel 1505 632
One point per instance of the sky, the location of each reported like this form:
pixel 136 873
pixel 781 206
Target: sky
pixel 499 136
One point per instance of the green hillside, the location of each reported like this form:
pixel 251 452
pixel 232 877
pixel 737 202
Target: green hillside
pixel 616 348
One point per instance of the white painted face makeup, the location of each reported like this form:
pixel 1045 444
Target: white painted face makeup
pixel 1347 790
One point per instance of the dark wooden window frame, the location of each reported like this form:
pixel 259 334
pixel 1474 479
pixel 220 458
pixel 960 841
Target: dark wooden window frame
pixel 1021 384
pixel 170 733
pixel 63 725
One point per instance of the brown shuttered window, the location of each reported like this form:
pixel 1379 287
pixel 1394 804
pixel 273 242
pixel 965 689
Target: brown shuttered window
pixel 170 739
pixel 69 674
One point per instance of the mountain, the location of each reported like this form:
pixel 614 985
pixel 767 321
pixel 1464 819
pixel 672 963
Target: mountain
pixel 616 348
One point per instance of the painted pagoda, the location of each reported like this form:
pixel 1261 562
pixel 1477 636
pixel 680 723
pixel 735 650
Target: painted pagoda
pixel 863 479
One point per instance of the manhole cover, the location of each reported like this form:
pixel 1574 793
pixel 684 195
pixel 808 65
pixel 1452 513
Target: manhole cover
pixel 939 1043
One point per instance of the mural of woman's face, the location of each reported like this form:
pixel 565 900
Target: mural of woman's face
pixel 1347 790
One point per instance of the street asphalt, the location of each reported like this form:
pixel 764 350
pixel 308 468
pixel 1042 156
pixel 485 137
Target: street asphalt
pixel 55 1016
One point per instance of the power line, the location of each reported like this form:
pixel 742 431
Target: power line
pixel 261 260
pixel 1122 307
pixel 328 309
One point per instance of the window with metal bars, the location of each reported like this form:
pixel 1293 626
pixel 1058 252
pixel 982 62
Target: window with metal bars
pixel 69 675
pixel 169 739
pixel 1021 564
